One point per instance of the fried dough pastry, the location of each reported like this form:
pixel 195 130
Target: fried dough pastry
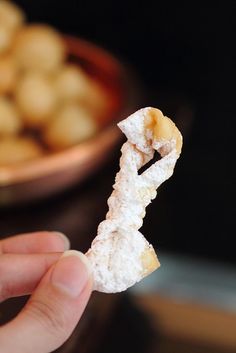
pixel 69 126
pixel 120 256
pixel 8 74
pixel 39 48
pixel 14 149
pixel 10 121
pixel 36 99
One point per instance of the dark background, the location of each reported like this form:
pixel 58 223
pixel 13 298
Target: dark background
pixel 183 56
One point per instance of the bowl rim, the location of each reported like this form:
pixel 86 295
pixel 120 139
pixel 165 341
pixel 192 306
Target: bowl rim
pixel 78 154
pixel 58 161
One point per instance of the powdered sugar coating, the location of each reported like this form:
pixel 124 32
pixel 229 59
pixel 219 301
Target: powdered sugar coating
pixel 115 260
pixel 116 253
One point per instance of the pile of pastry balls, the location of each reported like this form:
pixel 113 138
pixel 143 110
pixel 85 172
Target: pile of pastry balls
pixel 47 103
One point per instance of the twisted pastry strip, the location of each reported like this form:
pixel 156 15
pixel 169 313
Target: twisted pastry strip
pixel 120 255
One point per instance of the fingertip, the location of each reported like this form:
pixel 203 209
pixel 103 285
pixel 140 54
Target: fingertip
pixel 64 238
pixel 71 273
pixel 81 256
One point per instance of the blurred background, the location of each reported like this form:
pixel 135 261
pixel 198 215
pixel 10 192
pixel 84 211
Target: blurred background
pixel 179 57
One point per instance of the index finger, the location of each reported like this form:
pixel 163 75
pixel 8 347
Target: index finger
pixel 20 273
pixel 37 242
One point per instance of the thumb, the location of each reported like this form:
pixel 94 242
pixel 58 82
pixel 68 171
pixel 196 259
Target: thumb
pixel 53 310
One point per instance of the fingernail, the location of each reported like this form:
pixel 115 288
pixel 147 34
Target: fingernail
pixel 71 273
pixel 65 239
pixel 82 257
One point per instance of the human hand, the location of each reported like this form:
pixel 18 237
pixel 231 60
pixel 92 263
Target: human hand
pixel 60 286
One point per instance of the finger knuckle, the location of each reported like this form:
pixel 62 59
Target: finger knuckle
pixel 49 315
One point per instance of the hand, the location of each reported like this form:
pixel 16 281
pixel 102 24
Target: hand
pixel 60 286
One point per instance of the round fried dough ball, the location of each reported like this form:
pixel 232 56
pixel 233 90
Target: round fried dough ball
pixel 8 74
pixel 11 16
pixel 18 149
pixel 71 125
pixel 6 38
pixel 71 83
pixel 40 48
pixel 36 99
pixel 10 122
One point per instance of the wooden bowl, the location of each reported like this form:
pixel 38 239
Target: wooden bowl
pixel 55 172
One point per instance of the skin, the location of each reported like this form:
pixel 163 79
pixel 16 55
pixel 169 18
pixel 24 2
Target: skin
pixel 60 287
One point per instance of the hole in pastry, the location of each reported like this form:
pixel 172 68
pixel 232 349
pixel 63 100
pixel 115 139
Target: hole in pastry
pixel 155 158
